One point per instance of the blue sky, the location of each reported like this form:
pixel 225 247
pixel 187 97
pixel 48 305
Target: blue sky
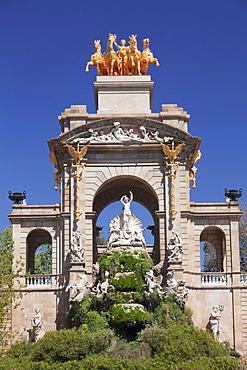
pixel 201 46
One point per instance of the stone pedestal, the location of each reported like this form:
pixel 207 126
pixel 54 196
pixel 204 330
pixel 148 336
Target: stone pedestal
pixel 123 94
pixel 76 268
pixel 178 270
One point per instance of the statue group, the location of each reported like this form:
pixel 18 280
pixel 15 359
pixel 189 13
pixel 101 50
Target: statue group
pixel 127 60
pixel 126 229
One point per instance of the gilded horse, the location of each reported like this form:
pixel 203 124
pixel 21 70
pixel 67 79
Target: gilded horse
pixel 110 56
pixel 134 57
pixel 147 57
pixel 97 59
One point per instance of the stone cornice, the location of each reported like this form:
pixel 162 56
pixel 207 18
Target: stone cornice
pixel 130 122
pixel 192 144
pixel 212 210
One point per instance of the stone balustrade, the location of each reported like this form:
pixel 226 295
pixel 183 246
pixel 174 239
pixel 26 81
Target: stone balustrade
pixel 243 277
pixel 42 280
pixel 213 278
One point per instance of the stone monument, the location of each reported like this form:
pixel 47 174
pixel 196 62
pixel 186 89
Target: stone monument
pixel 124 151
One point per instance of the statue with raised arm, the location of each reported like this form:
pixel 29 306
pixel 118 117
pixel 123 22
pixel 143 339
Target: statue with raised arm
pixel 125 230
pixel 123 57
pixel 126 209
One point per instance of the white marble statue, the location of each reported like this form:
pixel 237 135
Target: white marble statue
pixel 175 248
pixel 102 287
pixel 118 134
pixel 181 293
pixel 214 321
pixel 151 283
pixel 176 287
pixel 95 271
pixel 126 229
pixel 171 282
pixel 126 209
pixel 36 324
pixel 79 289
pixel 77 250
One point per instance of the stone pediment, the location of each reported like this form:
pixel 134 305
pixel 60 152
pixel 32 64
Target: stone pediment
pixel 130 132
pixel 157 131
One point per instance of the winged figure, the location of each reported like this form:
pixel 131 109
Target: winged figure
pixel 172 153
pixel 197 156
pixel 53 158
pixel 77 154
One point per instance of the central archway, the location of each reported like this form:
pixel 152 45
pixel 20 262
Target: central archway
pixel 112 190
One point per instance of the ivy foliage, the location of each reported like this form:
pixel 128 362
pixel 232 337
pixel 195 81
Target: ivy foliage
pixel 125 261
pixel 243 238
pixel 8 273
pixel 129 283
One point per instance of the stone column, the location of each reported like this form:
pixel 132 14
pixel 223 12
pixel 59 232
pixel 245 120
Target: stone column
pixel 89 235
pixel 161 216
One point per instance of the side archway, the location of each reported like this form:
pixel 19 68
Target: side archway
pixel 35 239
pixel 216 237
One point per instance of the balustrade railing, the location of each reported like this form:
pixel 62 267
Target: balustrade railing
pixel 243 277
pixel 42 280
pixel 213 278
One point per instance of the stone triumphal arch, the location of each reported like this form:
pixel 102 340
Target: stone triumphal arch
pixel 98 158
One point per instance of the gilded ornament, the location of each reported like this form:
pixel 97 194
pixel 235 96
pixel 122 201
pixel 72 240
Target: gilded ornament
pixel 57 176
pixel 192 173
pixel 78 155
pixel 126 61
pixel 172 155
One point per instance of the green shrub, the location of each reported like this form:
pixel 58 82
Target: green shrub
pixel 67 345
pixel 19 349
pixel 130 351
pixel 23 363
pixel 125 261
pixel 167 312
pixel 122 317
pixel 129 283
pixel 205 363
pixel 77 311
pixel 109 262
pixel 103 363
pixel 95 321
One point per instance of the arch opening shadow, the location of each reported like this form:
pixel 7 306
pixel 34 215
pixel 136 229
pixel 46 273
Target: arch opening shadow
pixel 215 239
pixel 35 239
